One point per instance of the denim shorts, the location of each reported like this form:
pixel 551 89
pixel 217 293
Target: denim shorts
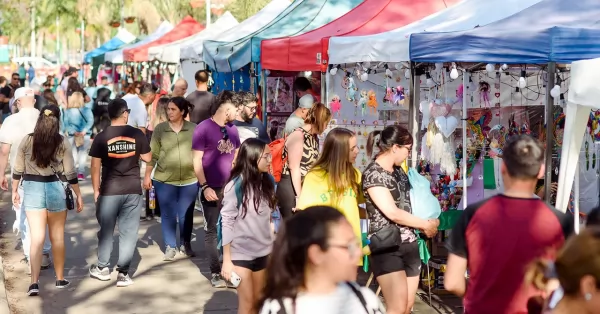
pixel 44 195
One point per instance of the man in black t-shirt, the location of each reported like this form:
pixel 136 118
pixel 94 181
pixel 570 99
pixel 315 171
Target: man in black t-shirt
pixel 118 192
pixel 202 99
pixel 247 123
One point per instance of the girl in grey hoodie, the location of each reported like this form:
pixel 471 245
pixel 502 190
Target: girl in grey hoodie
pixel 248 201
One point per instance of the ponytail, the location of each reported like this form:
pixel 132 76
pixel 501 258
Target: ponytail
pixel 371 142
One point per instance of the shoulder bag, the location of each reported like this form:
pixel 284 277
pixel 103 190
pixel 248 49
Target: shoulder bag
pixel 70 200
pixel 79 139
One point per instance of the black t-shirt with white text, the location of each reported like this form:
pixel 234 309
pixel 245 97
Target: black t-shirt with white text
pixel 119 148
pixel 254 129
pixel 203 105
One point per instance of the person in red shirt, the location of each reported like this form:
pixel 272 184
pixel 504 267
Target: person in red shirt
pixel 499 237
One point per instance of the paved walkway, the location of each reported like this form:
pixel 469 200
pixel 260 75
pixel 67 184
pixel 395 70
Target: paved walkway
pixel 180 286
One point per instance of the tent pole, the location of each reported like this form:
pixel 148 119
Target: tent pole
pixel 264 96
pixel 576 198
pixel 466 76
pixel 323 87
pixel 551 71
pixel 413 112
pixel 253 69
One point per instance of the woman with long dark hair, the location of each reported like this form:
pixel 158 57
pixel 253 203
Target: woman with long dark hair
pixel 333 180
pixel 395 259
pixel 48 94
pixel 73 87
pixel 301 150
pixel 248 201
pixel 44 161
pixel 174 179
pixel 312 267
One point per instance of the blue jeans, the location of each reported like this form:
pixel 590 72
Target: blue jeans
pixel 175 202
pixel 24 229
pixel 80 153
pixel 44 195
pixel 125 211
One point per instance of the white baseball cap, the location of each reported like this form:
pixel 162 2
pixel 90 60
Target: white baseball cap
pixel 307 101
pixel 23 92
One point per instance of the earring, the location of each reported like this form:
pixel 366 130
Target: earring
pixel 588 297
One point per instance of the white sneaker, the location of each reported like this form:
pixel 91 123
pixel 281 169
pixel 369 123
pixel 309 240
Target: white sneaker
pixel 123 280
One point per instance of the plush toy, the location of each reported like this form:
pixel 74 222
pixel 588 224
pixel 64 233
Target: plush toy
pixel 399 96
pixel 335 105
pixel 351 90
pixel 362 101
pixel 372 103
pixel 389 95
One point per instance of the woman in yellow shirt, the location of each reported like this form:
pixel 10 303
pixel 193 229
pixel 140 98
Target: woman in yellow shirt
pixel 333 180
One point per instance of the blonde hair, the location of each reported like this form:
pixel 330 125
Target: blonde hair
pixel 318 116
pixel 76 100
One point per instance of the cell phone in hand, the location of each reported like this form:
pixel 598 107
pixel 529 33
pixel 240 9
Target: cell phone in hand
pixel 235 279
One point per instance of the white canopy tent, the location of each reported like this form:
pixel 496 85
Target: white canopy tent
pixel 171 52
pixel 394 45
pixel 584 95
pixel 116 56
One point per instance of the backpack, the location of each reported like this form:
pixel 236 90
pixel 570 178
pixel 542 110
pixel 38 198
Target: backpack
pixel 237 186
pixel 277 160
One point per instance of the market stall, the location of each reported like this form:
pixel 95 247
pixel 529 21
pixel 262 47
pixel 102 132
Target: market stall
pixel 187 27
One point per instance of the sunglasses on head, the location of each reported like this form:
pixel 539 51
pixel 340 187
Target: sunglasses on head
pixel 224 132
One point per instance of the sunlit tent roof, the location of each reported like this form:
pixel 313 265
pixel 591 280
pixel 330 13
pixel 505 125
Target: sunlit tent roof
pixel 123 37
pixel 170 53
pixel 393 46
pixel 309 50
pixel 551 30
pixel 116 56
pixel 300 17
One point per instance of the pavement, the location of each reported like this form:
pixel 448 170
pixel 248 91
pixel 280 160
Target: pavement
pixel 181 286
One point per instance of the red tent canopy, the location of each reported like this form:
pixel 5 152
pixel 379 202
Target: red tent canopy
pixel 300 53
pixel 187 27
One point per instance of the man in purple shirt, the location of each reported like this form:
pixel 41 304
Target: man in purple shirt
pixel 214 145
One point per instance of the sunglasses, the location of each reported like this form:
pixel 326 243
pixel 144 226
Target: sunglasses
pixel 224 132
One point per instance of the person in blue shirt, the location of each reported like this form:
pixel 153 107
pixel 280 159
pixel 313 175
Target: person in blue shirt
pixel 246 122
pixel 77 122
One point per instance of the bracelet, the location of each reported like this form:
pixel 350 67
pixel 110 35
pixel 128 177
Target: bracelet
pixel 204 187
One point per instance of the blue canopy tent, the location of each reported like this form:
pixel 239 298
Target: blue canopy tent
pixel 550 31
pixel 123 37
pixel 300 17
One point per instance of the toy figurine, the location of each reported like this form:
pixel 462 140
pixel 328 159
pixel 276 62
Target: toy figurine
pixel 335 105
pixel 398 98
pixel 351 90
pixel 389 95
pixel 372 103
pixel 362 102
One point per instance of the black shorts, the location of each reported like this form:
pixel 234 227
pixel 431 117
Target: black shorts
pixel 254 265
pixel 405 258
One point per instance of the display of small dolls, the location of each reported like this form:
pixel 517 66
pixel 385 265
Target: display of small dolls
pixel 372 103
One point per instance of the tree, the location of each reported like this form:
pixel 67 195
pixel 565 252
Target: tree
pixel 243 9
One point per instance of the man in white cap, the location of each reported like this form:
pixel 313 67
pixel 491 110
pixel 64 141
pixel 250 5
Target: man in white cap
pixel 296 119
pixel 12 131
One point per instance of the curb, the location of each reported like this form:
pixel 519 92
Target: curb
pixel 4 309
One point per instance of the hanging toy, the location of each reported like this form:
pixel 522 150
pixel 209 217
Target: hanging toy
pixel 484 93
pixel 372 103
pixel 460 94
pixel 362 102
pixel 335 105
pixel 399 96
pixel 351 89
pixel 389 95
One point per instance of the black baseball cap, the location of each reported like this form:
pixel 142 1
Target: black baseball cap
pixel 116 107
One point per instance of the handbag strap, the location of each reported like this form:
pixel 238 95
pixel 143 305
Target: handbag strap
pixel 57 176
pixel 84 119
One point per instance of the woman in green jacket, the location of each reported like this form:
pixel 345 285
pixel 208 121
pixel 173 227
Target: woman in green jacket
pixel 174 180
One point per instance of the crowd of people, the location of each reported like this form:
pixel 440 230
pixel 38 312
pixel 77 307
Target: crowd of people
pixel 213 149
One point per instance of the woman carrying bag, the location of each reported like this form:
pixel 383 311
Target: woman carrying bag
pixel 77 122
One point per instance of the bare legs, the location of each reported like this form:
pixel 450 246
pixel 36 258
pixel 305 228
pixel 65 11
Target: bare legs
pixel 249 289
pixel 38 219
pixel 398 291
